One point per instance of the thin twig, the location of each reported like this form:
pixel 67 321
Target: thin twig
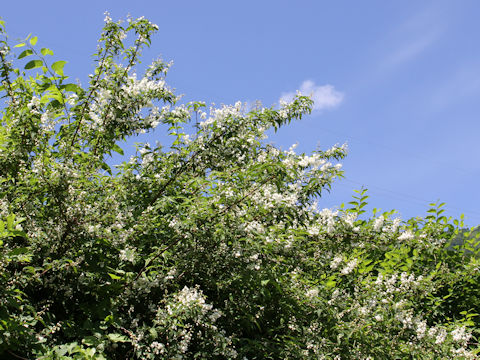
pixel 16 356
pixel 90 95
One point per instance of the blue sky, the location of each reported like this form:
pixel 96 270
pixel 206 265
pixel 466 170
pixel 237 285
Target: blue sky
pixel 398 81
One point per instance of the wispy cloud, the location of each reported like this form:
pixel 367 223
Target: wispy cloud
pixel 415 35
pixel 411 49
pixel 323 96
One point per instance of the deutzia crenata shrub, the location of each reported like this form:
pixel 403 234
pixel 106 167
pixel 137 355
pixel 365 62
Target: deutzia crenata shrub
pixel 212 247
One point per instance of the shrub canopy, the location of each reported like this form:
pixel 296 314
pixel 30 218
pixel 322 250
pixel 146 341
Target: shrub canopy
pixel 210 247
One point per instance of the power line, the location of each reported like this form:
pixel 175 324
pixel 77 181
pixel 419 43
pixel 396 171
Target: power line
pixel 409 198
pixel 393 150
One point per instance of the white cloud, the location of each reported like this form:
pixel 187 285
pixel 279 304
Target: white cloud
pixel 415 35
pixel 411 49
pixel 324 96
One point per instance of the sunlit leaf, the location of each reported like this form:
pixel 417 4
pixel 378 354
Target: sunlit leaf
pixel 46 51
pixel 33 64
pixel 57 66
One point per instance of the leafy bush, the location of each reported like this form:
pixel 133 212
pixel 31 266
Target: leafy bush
pixel 210 247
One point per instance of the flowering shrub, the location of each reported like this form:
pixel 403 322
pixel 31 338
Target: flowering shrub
pixel 210 247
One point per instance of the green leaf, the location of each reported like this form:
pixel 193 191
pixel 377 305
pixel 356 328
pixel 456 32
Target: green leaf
pixel 18 251
pixel 46 51
pixel 330 283
pixel 153 333
pixel 91 341
pixel 19 45
pixel 10 220
pixel 29 270
pixel 73 88
pixel 117 149
pixel 33 64
pixel 57 66
pixel 117 338
pixel 105 167
pixel 33 40
pixel 25 53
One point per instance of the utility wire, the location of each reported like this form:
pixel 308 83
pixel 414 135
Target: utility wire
pixel 402 153
pixel 402 196
pixel 406 197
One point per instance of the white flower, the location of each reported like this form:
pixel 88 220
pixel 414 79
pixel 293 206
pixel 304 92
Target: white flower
pixel 336 262
pixel 34 103
pixel 206 123
pixel 122 35
pixel 314 230
pixel 72 99
pixel 127 254
pixel 460 335
pixel 406 235
pixel 432 331
pixel 46 122
pixel 136 87
pixel 350 266
pixel 421 329
pixel 107 18
pixel 312 293
pixel 158 348
pixel 363 310
pixel 350 219
pixel 441 335
pixel 378 223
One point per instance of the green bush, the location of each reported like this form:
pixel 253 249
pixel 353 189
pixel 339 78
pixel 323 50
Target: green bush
pixel 212 247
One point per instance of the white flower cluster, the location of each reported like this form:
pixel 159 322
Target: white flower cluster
pixel 336 149
pixel 315 160
pixel 394 284
pixel 267 196
pixel 136 88
pixel 327 219
pixel 351 265
pixel 349 219
pixel 378 223
pixel 186 319
pixel 254 227
pixel 221 115
pixel 337 260
pixel 393 227
pixel 34 105
pixel 461 335
pixel 47 121
pixel 406 236
pixel 96 109
pixel 189 297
